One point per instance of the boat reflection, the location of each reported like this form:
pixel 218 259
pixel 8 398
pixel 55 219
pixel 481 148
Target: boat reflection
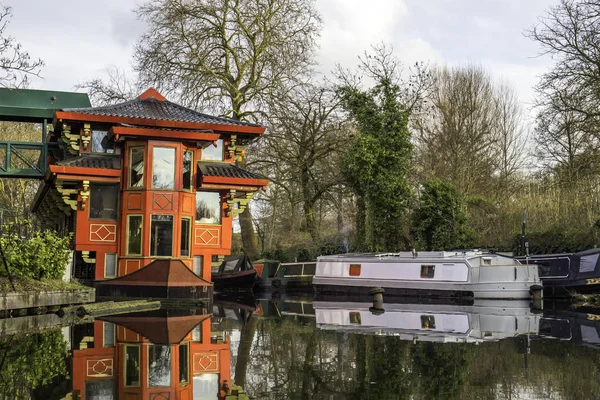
pixel 158 355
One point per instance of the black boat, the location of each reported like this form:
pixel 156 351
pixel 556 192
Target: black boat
pixel 235 273
pixel 563 274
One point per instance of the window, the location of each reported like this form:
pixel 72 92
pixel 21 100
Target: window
pixel 103 201
pixel 355 317
pixel 487 260
pixel 136 166
pixel 354 269
pixel 100 389
pixel 197 334
pixel 110 265
pixel 208 207
pixel 109 334
pixel 163 168
pixel 198 263
pixel 101 143
pixel 132 366
pixel 159 365
pixel 427 322
pixel 184 363
pixel 427 271
pixel 185 237
pixel 212 152
pixel 188 162
pixel 134 235
pixel 161 235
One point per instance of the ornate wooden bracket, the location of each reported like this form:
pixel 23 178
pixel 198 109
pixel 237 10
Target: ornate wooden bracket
pixel 66 194
pixel 58 202
pixel 86 137
pixel 241 202
pixel 84 192
pixel 85 255
pixel 71 139
pixel 234 150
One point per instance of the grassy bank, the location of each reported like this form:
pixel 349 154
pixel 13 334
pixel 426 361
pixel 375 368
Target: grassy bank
pixel 22 284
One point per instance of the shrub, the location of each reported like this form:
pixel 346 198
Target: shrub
pixel 43 256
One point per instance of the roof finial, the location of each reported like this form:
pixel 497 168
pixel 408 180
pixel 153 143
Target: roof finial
pixel 151 93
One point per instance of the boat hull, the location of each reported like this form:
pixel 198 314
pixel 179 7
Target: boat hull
pixel 243 280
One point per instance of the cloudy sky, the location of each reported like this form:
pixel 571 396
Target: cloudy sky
pixel 81 39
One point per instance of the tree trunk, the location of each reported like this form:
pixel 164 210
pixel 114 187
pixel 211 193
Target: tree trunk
pixel 248 235
pixel 243 353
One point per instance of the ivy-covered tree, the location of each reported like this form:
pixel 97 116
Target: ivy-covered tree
pixel 378 160
pixel 440 222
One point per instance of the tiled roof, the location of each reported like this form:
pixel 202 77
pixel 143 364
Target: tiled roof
pixel 226 170
pixel 151 108
pixel 101 161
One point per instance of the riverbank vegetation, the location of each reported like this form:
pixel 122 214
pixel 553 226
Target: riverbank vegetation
pixel 384 158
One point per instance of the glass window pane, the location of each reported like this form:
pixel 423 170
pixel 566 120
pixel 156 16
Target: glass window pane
pixel 184 362
pixel 212 152
pixel 185 237
pixel 136 167
pixel 161 235
pixel 110 265
pixel 208 207
pixel 101 389
pixel 197 334
pixel 198 262
pixel 159 365
pixel 135 235
pixel 188 161
pixel 206 386
pixel 132 366
pixel 101 143
pixel 109 334
pixel 163 168
pixel 103 201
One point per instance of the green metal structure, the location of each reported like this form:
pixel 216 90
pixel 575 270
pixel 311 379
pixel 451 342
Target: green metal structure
pixel 30 159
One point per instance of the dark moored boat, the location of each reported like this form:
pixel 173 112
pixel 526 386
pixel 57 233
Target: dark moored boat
pixel 234 274
pixel 562 274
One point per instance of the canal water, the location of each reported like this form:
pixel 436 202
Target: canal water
pixel 294 348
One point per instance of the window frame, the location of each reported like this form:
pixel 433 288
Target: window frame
pixel 187 361
pixel 189 236
pixel 192 169
pixel 104 324
pixel 173 242
pixel 196 221
pixel 139 352
pixel 148 347
pixel 222 145
pixel 127 235
pixel 116 264
pixel 94 184
pixel 175 164
pixel 130 166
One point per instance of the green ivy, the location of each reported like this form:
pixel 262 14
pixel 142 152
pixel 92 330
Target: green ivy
pixel 43 256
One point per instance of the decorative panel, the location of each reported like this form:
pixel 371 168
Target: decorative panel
pixel 131 266
pixel 206 362
pixel 207 236
pixel 162 201
pixel 132 396
pixel 99 368
pixel 187 204
pixel 103 233
pixel 134 201
pixel 160 396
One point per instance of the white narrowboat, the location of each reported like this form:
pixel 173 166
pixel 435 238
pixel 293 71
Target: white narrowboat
pixel 485 320
pixel 460 274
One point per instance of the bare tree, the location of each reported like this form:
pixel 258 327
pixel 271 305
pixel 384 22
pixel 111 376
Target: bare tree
pixel 16 64
pixel 118 87
pixel 227 56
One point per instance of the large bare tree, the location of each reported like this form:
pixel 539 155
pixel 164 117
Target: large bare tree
pixel 16 64
pixel 227 56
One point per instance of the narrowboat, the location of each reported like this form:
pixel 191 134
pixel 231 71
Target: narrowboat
pixel 462 274
pixel 235 273
pixel 563 274
pixel 485 320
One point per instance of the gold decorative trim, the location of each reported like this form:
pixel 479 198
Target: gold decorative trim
pixel 85 254
pixel 237 205
pixel 72 140
pixel 86 137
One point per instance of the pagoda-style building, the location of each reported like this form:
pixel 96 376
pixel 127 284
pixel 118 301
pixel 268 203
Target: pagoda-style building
pixel 146 182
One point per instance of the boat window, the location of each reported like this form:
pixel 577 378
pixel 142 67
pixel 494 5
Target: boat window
pixel 487 260
pixel 103 201
pixel 354 269
pixel 230 265
pixel 213 152
pixel 588 263
pixel 161 235
pixel 132 366
pixel 163 168
pixel 355 318
pixel 427 271
pixel 134 237
pixel 185 237
pixel 159 365
pixel 184 363
pixel 188 161
pixel 427 322
pixel 208 207
pixel 136 166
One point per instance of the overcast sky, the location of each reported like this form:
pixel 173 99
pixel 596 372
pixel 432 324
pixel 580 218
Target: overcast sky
pixel 81 39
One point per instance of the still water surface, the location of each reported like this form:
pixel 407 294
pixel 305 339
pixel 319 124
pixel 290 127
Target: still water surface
pixel 304 349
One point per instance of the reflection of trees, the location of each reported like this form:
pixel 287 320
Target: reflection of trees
pixel 29 363
pixel 291 360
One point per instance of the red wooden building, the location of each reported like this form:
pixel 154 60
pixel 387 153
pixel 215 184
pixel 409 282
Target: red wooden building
pixel 146 180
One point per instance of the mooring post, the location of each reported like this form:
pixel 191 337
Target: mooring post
pixel 377 294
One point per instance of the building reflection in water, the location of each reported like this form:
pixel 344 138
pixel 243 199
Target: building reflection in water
pixel 159 355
